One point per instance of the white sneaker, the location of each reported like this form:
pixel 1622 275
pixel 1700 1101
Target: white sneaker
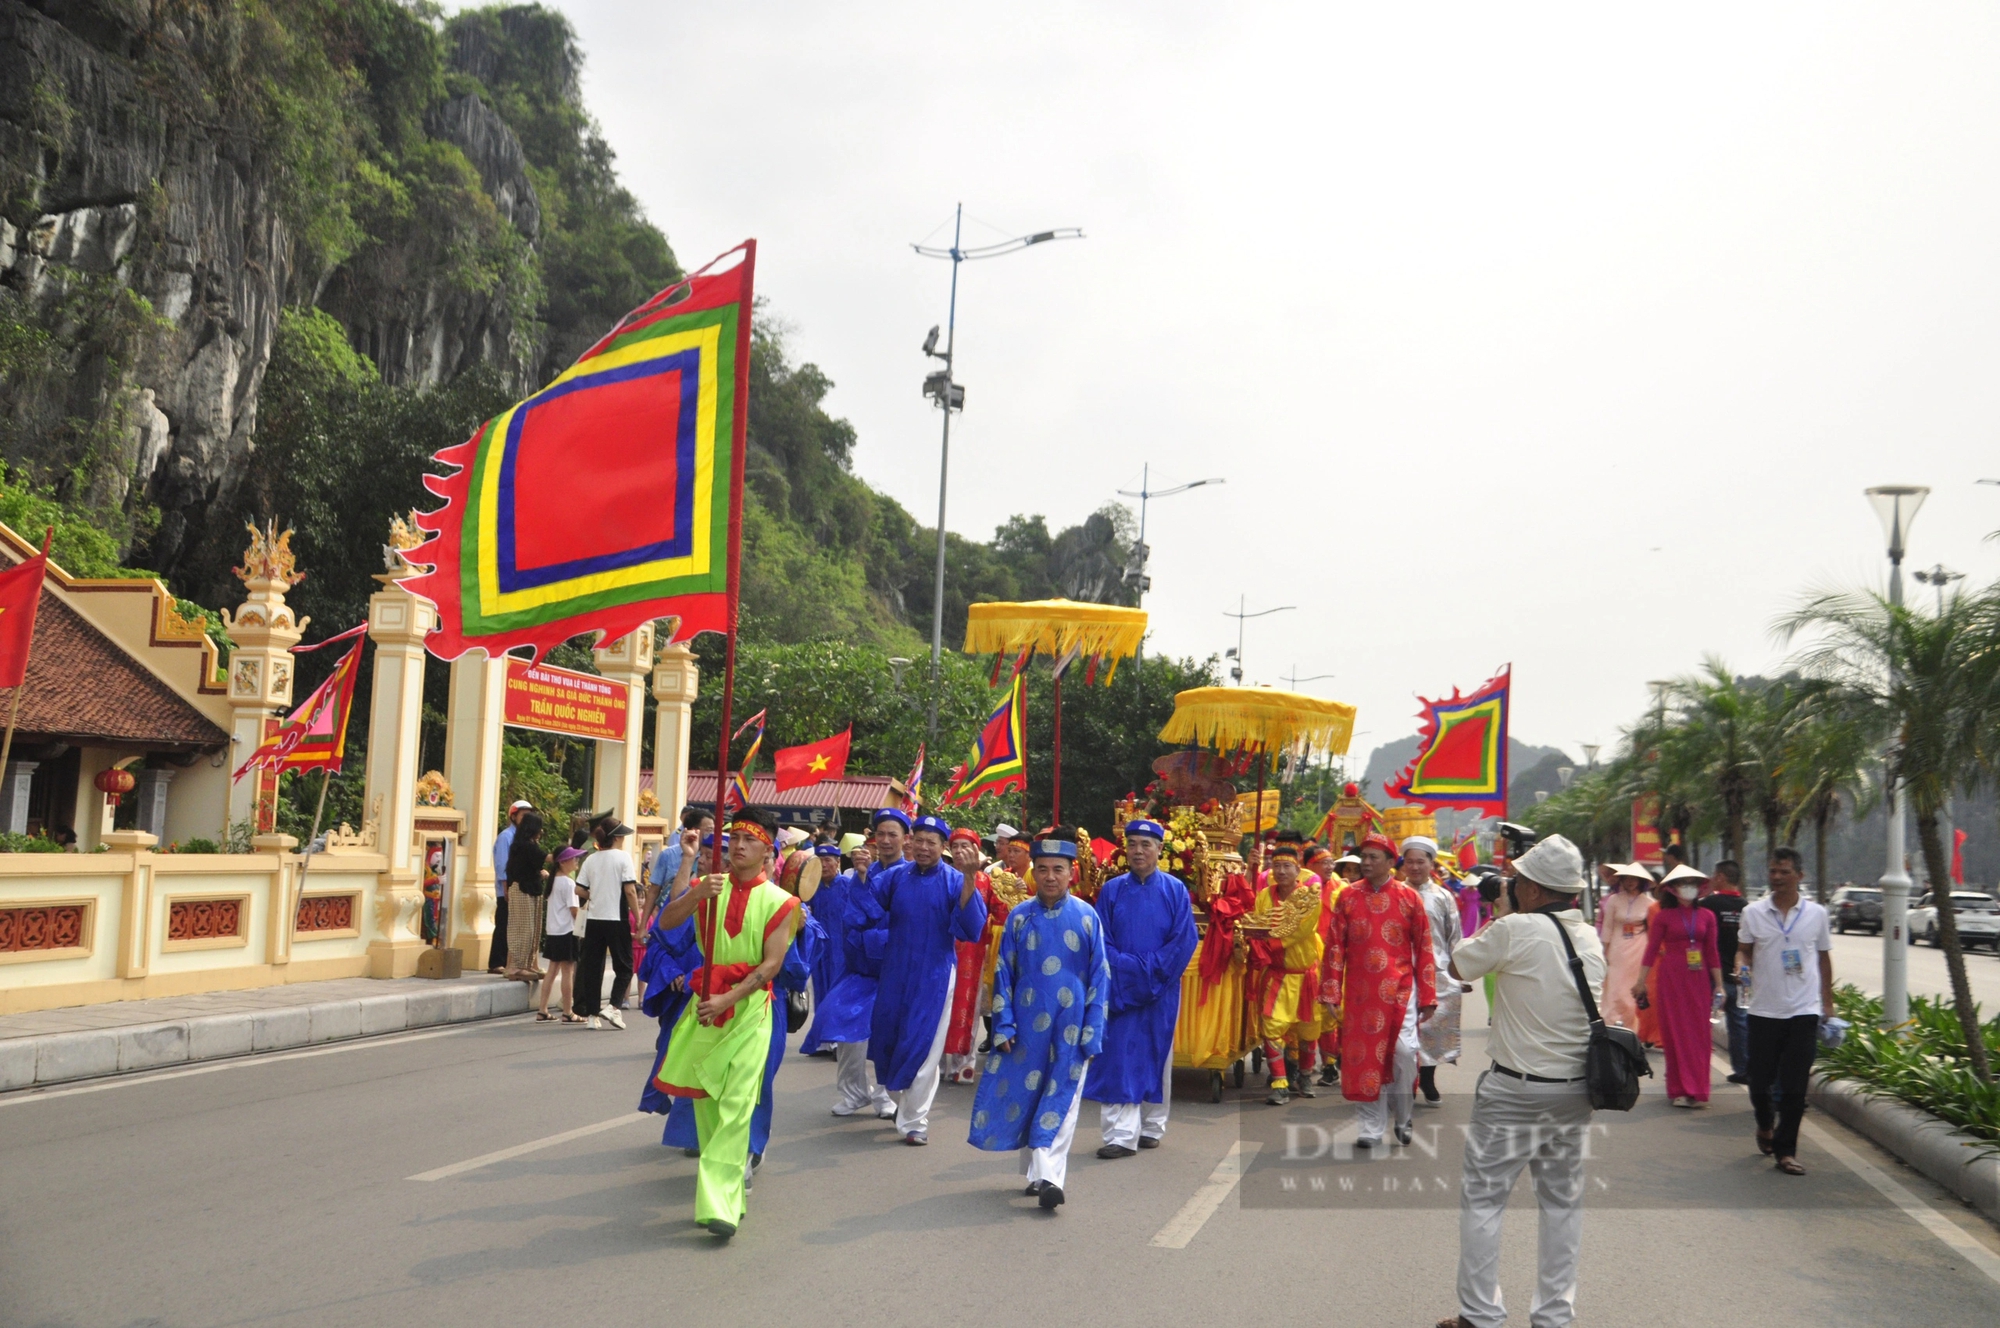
pixel 593 1022
pixel 615 1019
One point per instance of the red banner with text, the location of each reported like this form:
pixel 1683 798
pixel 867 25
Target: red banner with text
pixel 1646 845
pixel 555 700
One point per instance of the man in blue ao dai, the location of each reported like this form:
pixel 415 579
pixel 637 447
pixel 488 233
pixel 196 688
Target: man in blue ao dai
pixel 1050 989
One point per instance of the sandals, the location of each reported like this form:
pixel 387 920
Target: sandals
pixel 1790 1166
pixel 543 1016
pixel 1764 1144
pixel 572 1018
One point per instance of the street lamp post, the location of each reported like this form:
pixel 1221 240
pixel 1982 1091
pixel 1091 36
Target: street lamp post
pixel 949 395
pixel 1236 674
pixel 1897 505
pixel 1135 575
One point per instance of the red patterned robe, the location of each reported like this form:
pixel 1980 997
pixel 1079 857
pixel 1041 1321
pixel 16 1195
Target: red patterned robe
pixel 965 1012
pixel 1378 947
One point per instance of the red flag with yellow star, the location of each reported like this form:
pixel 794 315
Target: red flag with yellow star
pixel 814 762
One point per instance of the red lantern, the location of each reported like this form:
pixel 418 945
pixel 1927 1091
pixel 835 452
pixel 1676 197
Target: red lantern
pixel 114 783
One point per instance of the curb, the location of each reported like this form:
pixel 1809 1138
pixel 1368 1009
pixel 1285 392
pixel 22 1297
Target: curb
pixel 1930 1145
pixel 1919 1140
pixel 55 1058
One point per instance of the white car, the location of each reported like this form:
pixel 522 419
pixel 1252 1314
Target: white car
pixel 1978 920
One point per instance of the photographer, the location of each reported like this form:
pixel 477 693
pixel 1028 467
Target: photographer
pixel 1531 1108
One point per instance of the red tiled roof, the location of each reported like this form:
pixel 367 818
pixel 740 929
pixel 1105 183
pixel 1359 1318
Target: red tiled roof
pixel 856 792
pixel 83 688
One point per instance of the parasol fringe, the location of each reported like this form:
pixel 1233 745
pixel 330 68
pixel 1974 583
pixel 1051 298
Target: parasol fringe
pixel 1055 627
pixel 1225 717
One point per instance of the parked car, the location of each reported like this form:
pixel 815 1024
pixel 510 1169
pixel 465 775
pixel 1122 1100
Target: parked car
pixel 1857 908
pixel 1978 920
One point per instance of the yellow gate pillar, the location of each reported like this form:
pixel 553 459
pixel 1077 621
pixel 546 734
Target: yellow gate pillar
pixel 260 668
pixel 472 768
pixel 623 663
pixel 398 622
pixel 676 682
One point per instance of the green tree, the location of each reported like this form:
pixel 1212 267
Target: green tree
pixel 1935 682
pixel 1828 763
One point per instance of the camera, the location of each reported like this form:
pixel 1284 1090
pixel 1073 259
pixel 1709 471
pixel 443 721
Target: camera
pixel 1520 838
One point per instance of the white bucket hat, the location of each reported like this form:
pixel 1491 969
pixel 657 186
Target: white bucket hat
pixel 1553 864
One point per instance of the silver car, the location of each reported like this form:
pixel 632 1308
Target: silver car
pixel 1978 920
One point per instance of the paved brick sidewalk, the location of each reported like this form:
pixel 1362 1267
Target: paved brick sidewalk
pixel 118 1037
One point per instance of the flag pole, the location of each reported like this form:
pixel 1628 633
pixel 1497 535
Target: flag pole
pixel 1055 780
pixel 324 778
pixel 733 611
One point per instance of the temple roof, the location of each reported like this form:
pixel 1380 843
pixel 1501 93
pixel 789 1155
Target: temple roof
pixel 83 688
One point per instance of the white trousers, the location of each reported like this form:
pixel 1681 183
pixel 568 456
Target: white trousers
pixel 1397 1097
pixel 1542 1127
pixel 1124 1122
pixel 913 1104
pixel 1052 1163
pixel 855 1079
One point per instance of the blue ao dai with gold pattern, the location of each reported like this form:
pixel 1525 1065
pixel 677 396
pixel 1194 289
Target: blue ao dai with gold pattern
pixel 1049 992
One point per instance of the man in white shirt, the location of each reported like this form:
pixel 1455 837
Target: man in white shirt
pixel 1531 1108
pixel 1785 947
pixel 611 885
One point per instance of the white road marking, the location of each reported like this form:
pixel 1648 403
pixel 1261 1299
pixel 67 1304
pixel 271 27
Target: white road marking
pixel 1955 1238
pixel 520 1150
pixel 27 1095
pixel 1959 1241
pixel 1194 1214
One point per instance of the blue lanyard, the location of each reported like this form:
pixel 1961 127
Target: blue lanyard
pixel 1786 927
pixel 1693 930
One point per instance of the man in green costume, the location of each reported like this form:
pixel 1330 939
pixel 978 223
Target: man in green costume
pixel 743 925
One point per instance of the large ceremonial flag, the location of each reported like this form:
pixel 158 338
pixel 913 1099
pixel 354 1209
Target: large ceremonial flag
pixel 999 754
pixel 798 767
pixel 913 796
pixel 1462 761
pixel 611 497
pixel 314 737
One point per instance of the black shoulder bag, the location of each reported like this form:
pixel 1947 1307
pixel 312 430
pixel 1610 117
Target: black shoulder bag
pixel 1614 1062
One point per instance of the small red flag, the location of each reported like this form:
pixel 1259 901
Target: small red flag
pixel 20 596
pixel 814 762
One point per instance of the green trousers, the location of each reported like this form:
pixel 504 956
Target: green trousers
pixel 722 1124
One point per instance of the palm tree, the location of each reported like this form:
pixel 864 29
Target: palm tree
pixel 1707 747
pixel 1780 714
pixel 1934 682
pixel 1828 762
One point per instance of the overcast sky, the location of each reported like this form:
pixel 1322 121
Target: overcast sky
pixel 1565 336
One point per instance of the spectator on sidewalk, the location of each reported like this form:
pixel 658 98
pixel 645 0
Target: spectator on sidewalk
pixel 526 881
pixel 1786 946
pixel 503 844
pixel 1724 898
pixel 609 884
pixel 1683 971
pixel 559 938
pixel 1531 1109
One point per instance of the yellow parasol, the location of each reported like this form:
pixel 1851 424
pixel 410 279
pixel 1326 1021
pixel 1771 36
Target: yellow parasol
pixel 1064 629
pixel 1231 717
pixel 1262 720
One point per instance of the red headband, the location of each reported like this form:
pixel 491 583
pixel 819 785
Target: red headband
pixel 752 829
pixel 965 834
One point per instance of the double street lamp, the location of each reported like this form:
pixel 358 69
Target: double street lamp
pixel 1896 505
pixel 1236 673
pixel 949 396
pixel 1135 574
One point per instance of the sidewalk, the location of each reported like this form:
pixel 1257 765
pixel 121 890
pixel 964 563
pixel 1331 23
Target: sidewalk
pixel 44 1047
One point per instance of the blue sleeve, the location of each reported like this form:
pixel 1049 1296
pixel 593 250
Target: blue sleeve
pixel 1139 979
pixel 868 922
pixel 502 844
pixel 1097 995
pixel 968 923
pixel 666 866
pixel 1004 1029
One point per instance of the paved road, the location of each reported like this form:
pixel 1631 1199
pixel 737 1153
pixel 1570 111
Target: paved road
pixel 276 1191
pixel 1858 959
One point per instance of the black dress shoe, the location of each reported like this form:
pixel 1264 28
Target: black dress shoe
pixel 1034 1188
pixel 1110 1151
pixel 720 1229
pixel 1403 1135
pixel 690 1152
pixel 1329 1076
pixel 1052 1196
pixel 1148 1141
pixel 1739 1078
